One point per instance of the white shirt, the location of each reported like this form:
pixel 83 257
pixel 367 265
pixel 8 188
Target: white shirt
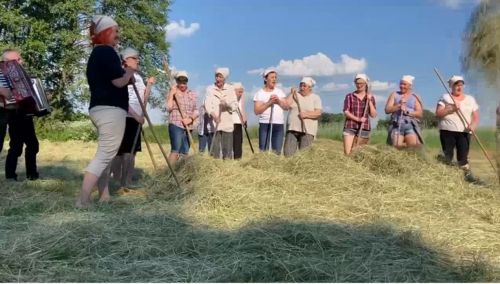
pixel 263 96
pixel 452 121
pixel 132 98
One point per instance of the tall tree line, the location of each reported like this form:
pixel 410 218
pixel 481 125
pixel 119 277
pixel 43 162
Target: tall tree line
pixel 53 38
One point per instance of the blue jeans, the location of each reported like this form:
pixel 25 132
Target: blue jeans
pixel 205 140
pixel 276 137
pixel 179 141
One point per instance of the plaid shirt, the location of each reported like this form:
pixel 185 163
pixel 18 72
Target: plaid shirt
pixel 356 107
pixel 187 103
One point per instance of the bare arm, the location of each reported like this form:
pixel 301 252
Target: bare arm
pixel 260 107
pixel 125 79
pixel 5 92
pixel 390 107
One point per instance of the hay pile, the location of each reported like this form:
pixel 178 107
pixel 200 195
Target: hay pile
pixel 383 215
pixel 379 186
pixel 482 52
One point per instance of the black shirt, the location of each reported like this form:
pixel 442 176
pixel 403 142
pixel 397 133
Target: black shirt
pixel 104 66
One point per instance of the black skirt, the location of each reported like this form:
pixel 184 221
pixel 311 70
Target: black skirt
pixel 131 128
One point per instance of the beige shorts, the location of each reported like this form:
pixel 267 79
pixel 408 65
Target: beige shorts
pixel 110 124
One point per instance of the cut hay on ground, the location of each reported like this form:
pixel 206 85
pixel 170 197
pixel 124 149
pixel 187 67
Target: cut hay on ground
pixel 382 215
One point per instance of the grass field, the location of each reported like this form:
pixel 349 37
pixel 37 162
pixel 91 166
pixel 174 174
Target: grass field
pixel 383 215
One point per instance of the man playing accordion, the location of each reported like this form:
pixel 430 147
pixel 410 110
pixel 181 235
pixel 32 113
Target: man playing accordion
pixel 21 129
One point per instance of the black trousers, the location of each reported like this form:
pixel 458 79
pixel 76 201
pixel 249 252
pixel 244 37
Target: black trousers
pixel 3 127
pixel 237 141
pixel 459 140
pixel 21 131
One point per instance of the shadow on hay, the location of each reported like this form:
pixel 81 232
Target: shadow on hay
pixel 165 248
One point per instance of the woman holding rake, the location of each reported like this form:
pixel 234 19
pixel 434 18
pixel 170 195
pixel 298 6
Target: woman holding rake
pixel 405 108
pixel 182 109
pixel 455 128
pixel 305 110
pixel 359 106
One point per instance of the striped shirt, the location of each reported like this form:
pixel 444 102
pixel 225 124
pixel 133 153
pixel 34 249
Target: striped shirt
pixel 356 107
pixel 187 103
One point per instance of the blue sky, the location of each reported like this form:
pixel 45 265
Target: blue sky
pixel 330 40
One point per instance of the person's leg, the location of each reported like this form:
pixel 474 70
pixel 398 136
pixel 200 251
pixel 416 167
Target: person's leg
pixel 448 143
pixel 110 124
pixel 227 145
pixel 32 148
pixel 3 127
pixel 117 167
pixel 348 140
pixel 411 140
pixel 263 137
pixel 238 141
pixel 305 141
pixel 463 146
pixel 216 146
pixel 277 138
pixel 175 134
pixel 290 144
pixel 15 143
pixel 202 139
pixel 103 185
pixel 210 138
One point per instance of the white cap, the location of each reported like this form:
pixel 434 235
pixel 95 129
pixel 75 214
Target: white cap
pixel 308 81
pixel 238 85
pixel 224 71
pixel 408 78
pixel 363 77
pixel 103 22
pixel 454 79
pixel 181 73
pixel 267 71
pixel 129 52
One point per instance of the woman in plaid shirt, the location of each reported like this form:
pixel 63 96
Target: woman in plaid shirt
pixel 357 120
pixel 178 127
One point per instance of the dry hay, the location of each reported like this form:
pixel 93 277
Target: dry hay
pixel 482 52
pixel 382 215
pixel 377 185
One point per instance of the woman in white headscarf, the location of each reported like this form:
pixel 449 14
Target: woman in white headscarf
pixel 108 108
pixel 405 109
pixel 454 129
pixel 359 106
pixel 305 110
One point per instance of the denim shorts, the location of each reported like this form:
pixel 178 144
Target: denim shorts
pixel 352 132
pixel 406 128
pixel 179 141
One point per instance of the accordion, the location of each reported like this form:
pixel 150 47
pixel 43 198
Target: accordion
pixel 28 93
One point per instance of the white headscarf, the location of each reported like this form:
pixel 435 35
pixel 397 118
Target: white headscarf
pixel 103 22
pixel 408 78
pixel 223 71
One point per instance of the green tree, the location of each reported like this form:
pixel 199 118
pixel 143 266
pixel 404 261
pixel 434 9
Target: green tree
pixel 328 118
pixel 53 38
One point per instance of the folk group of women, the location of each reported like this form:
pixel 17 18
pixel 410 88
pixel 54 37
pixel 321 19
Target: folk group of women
pixel 116 111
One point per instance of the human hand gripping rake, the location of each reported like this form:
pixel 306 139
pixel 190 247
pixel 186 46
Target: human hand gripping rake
pixel 466 123
pixel 296 99
pixel 186 127
pixel 154 134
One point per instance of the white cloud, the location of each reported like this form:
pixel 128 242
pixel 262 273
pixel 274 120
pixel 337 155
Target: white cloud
pixel 318 65
pixel 456 4
pixel 179 29
pixel 382 86
pixel 380 99
pixel 334 87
